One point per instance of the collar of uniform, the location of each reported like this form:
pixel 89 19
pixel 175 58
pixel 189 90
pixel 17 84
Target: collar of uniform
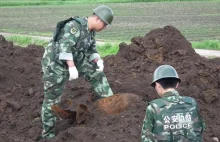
pixel 170 93
pixel 87 27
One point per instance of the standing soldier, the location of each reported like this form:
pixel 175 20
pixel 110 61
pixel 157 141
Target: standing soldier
pixel 172 118
pixel 72 53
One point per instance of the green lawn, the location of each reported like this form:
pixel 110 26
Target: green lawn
pixel 24 41
pixel 107 48
pixel 196 20
pixel 63 2
pixel 207 44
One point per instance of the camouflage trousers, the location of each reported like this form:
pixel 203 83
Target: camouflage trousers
pixel 54 84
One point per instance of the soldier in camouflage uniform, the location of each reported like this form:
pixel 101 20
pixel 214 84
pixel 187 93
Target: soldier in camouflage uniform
pixel 70 54
pixel 172 118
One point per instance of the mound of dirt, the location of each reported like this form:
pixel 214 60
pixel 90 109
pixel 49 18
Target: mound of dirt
pixel 130 71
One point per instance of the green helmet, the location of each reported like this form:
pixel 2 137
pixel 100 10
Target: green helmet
pixel 104 13
pixel 164 71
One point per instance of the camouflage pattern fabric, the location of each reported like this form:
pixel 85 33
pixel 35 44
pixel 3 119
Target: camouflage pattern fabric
pixel 172 118
pixel 76 43
pixel 54 82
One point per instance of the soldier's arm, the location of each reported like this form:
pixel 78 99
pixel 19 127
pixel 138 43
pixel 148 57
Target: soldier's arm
pixel 203 123
pixel 146 134
pixel 92 53
pixel 200 123
pixel 68 41
pixel 93 48
pixel 201 118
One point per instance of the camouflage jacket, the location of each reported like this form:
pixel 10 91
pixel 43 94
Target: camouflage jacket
pixel 172 118
pixel 73 42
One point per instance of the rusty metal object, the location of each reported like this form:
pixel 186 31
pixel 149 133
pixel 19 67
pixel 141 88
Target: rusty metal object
pixel 111 105
pixel 117 103
pixel 79 115
pixel 64 114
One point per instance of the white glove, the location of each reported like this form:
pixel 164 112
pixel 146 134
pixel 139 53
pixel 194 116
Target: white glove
pixel 73 73
pixel 100 65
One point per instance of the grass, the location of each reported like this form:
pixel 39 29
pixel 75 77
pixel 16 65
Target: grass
pixel 196 20
pixel 108 49
pixel 3 3
pixel 24 41
pixel 33 3
pixel 207 44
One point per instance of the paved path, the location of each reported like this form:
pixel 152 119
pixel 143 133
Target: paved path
pixel 39 37
pixel 208 53
pixel 202 52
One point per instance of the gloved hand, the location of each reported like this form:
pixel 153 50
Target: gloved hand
pixel 73 73
pixel 100 65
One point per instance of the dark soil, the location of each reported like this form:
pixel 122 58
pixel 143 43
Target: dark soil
pixel 130 71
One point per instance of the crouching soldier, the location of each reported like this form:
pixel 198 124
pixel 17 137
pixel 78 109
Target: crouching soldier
pixel 171 118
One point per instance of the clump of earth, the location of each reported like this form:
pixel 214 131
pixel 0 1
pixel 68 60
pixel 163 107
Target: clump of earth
pixel 129 71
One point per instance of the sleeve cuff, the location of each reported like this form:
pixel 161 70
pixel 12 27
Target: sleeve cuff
pixel 65 56
pixel 94 56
